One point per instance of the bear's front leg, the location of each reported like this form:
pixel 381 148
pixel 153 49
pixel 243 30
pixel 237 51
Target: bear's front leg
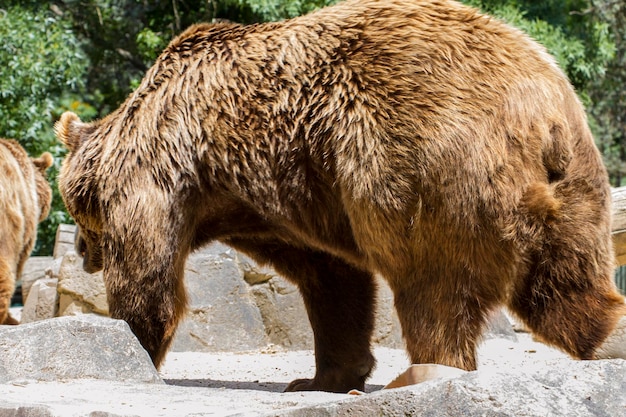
pixel 340 303
pixel 442 307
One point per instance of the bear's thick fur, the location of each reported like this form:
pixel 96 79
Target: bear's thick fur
pixel 25 198
pixel 416 139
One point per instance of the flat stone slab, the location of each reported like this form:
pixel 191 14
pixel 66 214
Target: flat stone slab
pixel 34 269
pixel 99 398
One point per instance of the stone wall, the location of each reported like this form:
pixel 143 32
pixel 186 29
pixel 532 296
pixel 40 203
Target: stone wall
pixel 234 304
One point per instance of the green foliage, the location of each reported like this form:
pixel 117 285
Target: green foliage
pixel 150 44
pixel 272 10
pixel 581 44
pixel 108 30
pixel 609 92
pixel 41 61
pixel 123 37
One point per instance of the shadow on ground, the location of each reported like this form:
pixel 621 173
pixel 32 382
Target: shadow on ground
pixel 243 385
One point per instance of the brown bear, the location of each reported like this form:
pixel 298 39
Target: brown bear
pixel 25 198
pixel 415 139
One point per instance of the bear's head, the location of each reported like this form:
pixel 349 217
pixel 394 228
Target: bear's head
pixel 79 188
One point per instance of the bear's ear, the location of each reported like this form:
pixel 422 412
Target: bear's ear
pixel 43 162
pixel 68 129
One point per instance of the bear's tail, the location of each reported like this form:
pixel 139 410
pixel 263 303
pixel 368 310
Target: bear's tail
pixel 541 205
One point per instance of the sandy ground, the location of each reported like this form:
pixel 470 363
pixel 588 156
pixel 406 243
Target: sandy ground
pixel 272 369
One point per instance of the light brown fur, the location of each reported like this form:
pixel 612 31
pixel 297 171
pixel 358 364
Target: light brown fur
pixel 417 139
pixel 25 198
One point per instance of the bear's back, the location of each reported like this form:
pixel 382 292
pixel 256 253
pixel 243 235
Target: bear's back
pixel 388 102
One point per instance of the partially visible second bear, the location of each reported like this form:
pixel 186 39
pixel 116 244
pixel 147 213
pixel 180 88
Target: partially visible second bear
pixel 415 139
pixel 25 198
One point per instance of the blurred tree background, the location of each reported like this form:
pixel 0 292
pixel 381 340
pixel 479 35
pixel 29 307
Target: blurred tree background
pixel 88 55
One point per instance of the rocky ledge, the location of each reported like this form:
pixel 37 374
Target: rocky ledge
pixel 93 366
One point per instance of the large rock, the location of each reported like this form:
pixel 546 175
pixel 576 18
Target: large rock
pixel 222 314
pixel 388 331
pixel 64 240
pixel 79 291
pixel 65 348
pixel 285 317
pixel 565 388
pixel 282 310
pixel 42 302
pixel 34 269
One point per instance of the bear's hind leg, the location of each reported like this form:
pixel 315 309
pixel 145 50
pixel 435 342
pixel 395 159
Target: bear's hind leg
pixel 339 299
pixel 442 316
